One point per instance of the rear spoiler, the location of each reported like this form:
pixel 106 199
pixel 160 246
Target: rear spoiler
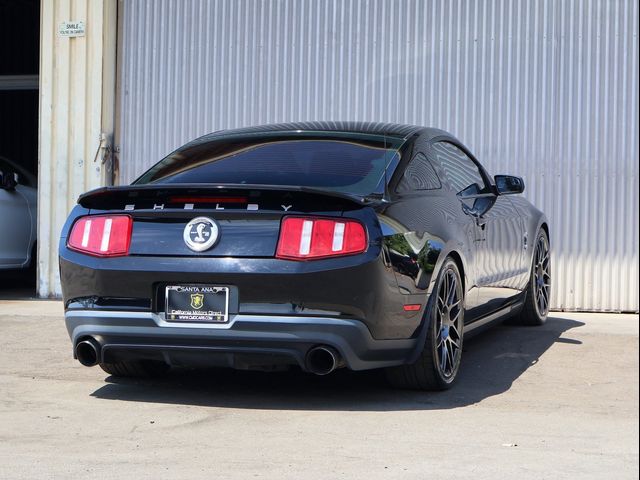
pixel 105 197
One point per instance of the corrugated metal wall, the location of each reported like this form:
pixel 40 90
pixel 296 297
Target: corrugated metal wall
pixel 77 87
pixel 543 89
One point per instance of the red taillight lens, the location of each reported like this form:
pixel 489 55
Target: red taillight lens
pixel 303 238
pixel 102 235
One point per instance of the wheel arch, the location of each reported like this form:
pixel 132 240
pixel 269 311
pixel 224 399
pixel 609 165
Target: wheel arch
pixel 545 226
pixel 457 258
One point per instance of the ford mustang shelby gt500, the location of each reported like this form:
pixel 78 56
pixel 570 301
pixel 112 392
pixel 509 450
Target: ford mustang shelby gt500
pixel 321 245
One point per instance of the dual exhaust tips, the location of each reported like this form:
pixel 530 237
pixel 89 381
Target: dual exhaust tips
pixel 320 360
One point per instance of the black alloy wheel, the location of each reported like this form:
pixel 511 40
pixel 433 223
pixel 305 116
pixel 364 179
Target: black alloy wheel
pixel 437 366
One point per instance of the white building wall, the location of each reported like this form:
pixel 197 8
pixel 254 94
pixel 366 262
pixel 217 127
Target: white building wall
pixel 544 89
pixel 77 77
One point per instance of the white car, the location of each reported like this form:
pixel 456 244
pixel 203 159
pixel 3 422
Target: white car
pixel 18 216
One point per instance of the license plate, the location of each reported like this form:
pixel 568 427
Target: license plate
pixel 197 303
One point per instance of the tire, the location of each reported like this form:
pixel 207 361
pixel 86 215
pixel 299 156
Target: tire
pixel 430 372
pixel 135 369
pixel 538 293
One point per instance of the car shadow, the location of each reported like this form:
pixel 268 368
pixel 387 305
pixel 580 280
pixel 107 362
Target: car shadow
pixel 492 361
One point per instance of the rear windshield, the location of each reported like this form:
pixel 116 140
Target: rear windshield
pixel 349 165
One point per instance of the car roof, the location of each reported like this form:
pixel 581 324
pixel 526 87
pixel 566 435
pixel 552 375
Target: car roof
pixel 370 128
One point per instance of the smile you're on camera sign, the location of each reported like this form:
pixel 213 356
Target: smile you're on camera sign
pixel 71 29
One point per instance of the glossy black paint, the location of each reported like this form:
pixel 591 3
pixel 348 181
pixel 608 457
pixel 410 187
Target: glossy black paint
pixel 366 290
pixel 508 184
pixel 410 233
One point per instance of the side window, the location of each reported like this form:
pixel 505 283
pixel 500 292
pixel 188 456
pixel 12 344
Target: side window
pixel 419 175
pixel 460 170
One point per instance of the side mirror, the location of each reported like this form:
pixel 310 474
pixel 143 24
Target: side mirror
pixel 508 185
pixel 8 181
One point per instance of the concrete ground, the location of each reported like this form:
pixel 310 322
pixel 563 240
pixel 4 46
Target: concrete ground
pixel 559 401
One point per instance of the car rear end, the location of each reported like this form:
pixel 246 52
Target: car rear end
pixel 235 273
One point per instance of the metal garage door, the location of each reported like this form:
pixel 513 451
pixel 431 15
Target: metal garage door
pixel 545 89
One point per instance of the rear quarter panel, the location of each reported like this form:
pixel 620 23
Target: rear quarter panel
pixel 427 227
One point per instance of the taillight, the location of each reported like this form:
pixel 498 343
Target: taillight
pixel 305 238
pixel 101 235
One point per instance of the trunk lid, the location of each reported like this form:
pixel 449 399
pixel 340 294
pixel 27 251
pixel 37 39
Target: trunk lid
pixel 248 216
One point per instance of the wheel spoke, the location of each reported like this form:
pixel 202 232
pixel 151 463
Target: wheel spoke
pixel 450 358
pixel 545 294
pixel 539 300
pixel 452 291
pixel 445 289
pixel 454 329
pixel 443 357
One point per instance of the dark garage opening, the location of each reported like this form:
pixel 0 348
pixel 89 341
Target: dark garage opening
pixel 19 66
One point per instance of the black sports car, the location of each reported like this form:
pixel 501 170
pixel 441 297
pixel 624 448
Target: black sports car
pixel 321 245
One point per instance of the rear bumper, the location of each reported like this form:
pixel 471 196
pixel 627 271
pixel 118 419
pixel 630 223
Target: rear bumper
pixel 360 287
pixel 247 341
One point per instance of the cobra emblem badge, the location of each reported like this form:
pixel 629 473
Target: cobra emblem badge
pixel 201 234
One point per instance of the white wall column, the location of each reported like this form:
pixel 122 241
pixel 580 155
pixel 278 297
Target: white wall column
pixel 77 80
